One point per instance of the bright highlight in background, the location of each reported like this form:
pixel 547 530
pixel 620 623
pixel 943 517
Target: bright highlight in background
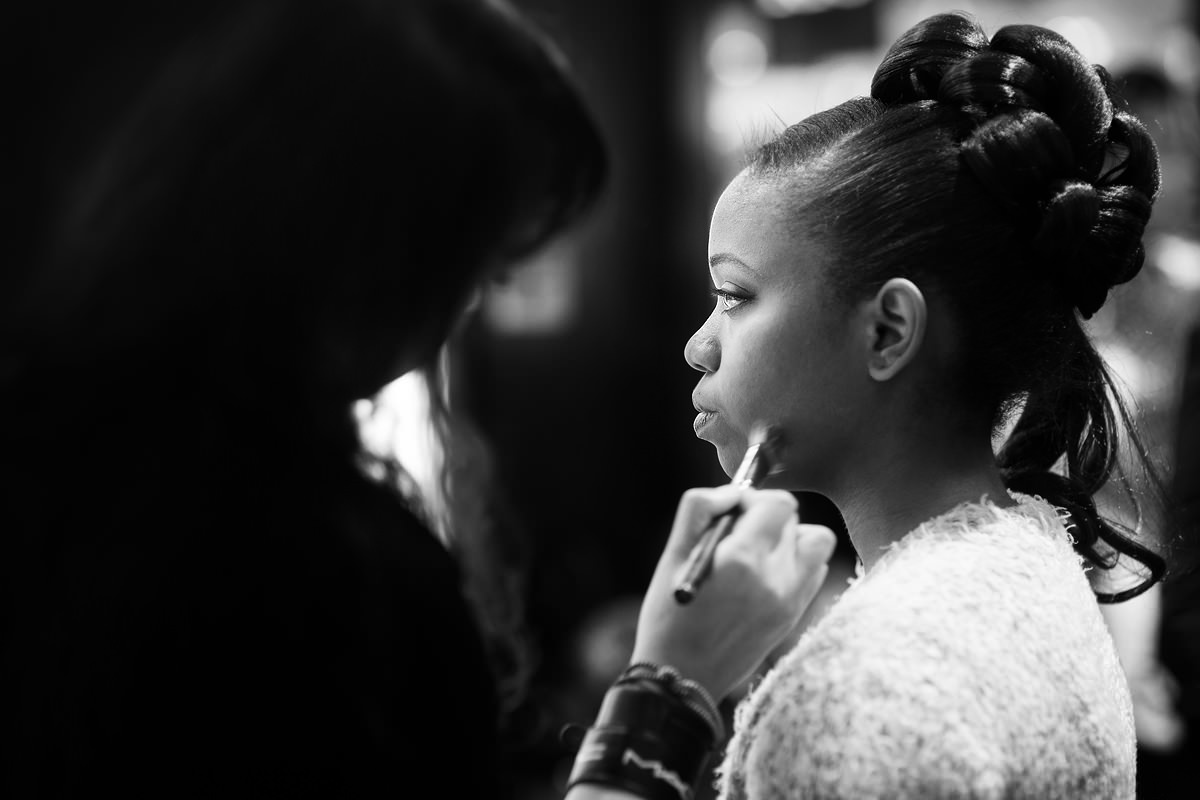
pixel 785 8
pixel 737 57
pixel 1088 36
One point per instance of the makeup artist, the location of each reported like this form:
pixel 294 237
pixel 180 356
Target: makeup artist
pixel 227 222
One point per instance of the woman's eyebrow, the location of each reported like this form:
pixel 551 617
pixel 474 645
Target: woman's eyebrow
pixel 717 259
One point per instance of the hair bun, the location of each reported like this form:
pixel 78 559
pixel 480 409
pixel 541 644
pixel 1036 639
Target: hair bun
pixel 1016 155
pixel 991 80
pixel 913 67
pixel 1138 163
pixel 1067 218
pixel 1078 100
pixel 1113 252
pixel 1075 175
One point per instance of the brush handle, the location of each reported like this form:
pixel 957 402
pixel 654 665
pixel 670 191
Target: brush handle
pixel 756 463
pixel 699 563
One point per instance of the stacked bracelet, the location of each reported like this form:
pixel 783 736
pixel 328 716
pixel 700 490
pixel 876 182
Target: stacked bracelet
pixel 653 735
pixel 695 696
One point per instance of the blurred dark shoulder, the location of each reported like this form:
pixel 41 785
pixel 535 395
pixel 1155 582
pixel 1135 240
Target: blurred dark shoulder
pixel 249 608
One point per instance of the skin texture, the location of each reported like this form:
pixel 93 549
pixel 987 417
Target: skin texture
pixel 853 386
pixel 777 346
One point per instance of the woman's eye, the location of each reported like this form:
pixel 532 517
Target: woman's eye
pixel 727 299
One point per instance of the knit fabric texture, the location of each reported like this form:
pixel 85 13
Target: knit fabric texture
pixel 972 661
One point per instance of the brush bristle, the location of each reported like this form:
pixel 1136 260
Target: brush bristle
pixel 768 436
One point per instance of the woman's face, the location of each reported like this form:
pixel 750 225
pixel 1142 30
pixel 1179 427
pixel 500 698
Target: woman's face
pixel 778 347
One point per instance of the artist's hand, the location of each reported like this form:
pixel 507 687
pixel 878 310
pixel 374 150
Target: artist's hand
pixel 765 574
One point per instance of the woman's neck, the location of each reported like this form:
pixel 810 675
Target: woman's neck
pixel 900 487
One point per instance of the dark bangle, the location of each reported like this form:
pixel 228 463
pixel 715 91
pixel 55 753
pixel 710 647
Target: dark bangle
pixel 645 741
pixel 695 696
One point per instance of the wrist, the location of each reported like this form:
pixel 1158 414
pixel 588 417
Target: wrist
pixel 653 736
pixel 692 693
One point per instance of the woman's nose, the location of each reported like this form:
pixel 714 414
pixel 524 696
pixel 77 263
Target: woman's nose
pixel 702 351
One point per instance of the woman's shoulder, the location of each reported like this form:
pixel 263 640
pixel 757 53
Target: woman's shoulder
pixel 1027 523
pixel 971 650
pixel 978 553
pixel 996 588
pixel 978 578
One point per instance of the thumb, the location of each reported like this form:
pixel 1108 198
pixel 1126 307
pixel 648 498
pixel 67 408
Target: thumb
pixel 808 549
pixel 814 544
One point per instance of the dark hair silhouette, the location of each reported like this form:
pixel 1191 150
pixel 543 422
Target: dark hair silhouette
pixel 237 218
pixel 1006 176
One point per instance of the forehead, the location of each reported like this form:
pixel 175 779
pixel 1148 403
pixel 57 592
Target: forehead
pixel 751 200
pixel 757 222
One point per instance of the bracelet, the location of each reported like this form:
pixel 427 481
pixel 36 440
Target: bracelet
pixel 645 741
pixel 695 696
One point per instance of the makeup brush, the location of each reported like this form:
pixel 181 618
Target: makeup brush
pixel 758 462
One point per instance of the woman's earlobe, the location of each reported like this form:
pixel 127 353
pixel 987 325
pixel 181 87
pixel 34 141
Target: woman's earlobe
pixel 898 315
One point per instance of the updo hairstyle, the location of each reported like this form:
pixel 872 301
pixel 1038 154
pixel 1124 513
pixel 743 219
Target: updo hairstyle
pixel 1006 177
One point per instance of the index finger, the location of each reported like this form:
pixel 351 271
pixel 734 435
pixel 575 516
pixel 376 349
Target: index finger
pixel 697 509
pixel 765 514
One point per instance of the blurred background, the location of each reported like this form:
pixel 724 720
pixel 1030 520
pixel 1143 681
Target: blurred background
pixel 573 370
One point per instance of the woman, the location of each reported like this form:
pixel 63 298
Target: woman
pixel 901 283
pixel 234 220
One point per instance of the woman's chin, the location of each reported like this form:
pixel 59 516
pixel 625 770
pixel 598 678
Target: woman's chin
pixel 730 457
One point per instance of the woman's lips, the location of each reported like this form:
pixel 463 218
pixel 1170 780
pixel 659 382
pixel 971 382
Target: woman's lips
pixel 703 420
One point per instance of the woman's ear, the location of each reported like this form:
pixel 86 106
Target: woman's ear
pixel 897 317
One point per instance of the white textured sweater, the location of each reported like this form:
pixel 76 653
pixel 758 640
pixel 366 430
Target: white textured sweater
pixel 971 662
